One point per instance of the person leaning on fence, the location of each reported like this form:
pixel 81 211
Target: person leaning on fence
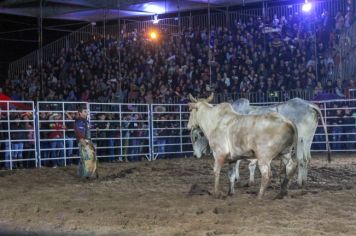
pixel 88 160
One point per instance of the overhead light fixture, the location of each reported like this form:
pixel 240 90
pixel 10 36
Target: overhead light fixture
pixel 152 8
pixel 307 6
pixel 155 19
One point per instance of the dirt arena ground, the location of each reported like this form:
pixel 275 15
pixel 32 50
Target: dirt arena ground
pixel 172 197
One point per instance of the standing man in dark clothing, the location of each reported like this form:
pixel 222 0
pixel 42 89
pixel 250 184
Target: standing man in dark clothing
pixel 337 122
pixel 349 128
pixel 88 160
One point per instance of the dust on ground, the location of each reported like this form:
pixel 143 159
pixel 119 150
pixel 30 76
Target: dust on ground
pixel 173 197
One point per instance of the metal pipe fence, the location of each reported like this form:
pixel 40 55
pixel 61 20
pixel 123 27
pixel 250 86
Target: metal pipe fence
pixel 17 134
pixel 43 135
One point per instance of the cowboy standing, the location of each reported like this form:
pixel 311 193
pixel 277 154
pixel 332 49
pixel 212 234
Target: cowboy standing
pixel 88 160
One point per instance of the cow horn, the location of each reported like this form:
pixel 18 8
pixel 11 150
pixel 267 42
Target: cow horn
pixel 210 98
pixel 192 99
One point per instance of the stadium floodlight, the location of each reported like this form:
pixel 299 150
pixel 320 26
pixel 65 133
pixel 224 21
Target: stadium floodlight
pixel 153 8
pixel 153 35
pixel 155 19
pixel 307 6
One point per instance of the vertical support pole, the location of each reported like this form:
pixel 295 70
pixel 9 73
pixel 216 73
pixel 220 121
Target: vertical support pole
pixel 151 132
pixel 9 133
pixel 37 136
pixel 64 136
pixel 120 116
pixel 326 124
pixel 40 44
pixel 180 128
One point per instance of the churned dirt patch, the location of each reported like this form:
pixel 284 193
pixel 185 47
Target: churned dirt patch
pixel 173 197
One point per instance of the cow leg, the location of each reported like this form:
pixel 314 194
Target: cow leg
pixel 306 167
pixel 290 169
pixel 266 174
pixel 301 172
pixel 237 170
pixel 252 168
pixel 301 163
pixel 219 161
pixel 233 175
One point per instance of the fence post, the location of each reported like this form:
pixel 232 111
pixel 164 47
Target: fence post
pixel 9 133
pixel 120 117
pixel 37 136
pixel 180 128
pixel 64 136
pixel 151 135
pixel 326 124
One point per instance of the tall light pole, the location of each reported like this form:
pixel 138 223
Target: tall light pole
pixel 40 44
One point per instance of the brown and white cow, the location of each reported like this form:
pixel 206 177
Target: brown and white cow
pixel 234 137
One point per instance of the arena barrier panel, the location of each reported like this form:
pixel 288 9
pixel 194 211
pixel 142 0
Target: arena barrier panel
pixel 170 135
pixel 121 130
pixel 129 131
pixel 17 134
pixel 55 134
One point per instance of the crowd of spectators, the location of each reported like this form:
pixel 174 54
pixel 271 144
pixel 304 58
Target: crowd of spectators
pixel 301 54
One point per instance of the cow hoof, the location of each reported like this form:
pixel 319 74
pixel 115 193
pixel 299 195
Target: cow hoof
pixel 280 195
pixel 217 195
pixel 250 184
pixel 231 193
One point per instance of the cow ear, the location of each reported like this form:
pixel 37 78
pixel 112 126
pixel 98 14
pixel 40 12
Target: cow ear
pixel 192 99
pixel 210 98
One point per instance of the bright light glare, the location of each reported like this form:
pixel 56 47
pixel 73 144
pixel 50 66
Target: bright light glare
pixel 153 8
pixel 306 7
pixel 153 35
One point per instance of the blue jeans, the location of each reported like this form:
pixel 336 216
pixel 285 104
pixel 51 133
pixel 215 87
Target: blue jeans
pixel 135 150
pixel 111 149
pixel 69 150
pixel 17 150
pixel 319 139
pixel 350 138
pixel 7 154
pixel 160 146
pixel 336 137
pixel 44 154
pixel 58 153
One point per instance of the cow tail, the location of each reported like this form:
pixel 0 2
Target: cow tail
pixel 298 152
pixel 325 130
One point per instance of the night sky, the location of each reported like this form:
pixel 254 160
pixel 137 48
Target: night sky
pixel 13 50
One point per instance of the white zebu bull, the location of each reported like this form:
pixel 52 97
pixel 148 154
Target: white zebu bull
pixel 304 115
pixel 234 137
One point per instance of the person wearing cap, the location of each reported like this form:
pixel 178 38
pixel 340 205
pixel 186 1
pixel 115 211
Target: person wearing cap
pixel 88 161
pixel 56 136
